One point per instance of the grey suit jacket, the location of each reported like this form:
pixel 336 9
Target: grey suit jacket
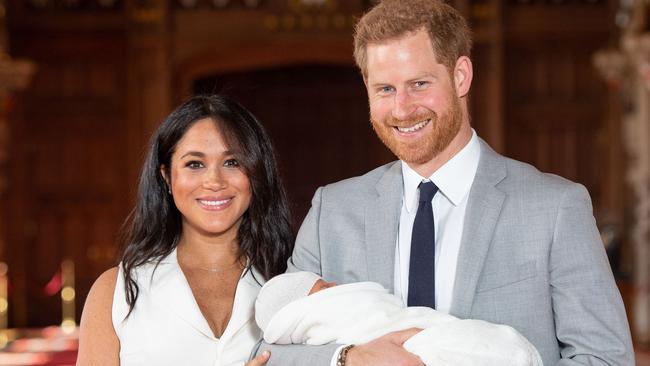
pixel 530 257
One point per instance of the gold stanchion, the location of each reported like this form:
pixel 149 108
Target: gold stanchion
pixel 69 323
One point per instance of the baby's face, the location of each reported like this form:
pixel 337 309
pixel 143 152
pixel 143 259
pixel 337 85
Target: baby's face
pixel 321 284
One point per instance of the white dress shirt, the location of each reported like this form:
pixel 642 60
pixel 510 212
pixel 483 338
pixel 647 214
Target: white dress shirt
pixel 454 180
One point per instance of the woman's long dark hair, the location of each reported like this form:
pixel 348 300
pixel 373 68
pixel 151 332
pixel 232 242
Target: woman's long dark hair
pixel 154 227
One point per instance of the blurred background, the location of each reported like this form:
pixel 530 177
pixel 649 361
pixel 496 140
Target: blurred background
pixel 561 84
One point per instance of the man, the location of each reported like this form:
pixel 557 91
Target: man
pixel 512 245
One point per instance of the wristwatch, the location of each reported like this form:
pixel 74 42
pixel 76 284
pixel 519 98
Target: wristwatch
pixel 343 355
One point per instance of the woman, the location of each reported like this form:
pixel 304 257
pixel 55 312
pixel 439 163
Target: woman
pixel 210 224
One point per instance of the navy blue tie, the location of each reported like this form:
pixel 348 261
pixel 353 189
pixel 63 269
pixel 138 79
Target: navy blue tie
pixel 422 281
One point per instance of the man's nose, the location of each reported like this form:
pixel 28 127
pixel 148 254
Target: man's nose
pixel 403 106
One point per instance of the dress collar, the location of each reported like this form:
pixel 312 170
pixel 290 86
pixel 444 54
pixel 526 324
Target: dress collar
pixel 170 289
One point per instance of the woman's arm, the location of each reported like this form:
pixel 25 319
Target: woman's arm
pixel 98 343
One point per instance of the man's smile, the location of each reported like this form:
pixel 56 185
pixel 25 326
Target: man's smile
pixel 415 127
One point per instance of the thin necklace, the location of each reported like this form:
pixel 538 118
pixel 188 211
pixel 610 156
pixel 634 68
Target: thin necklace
pixel 215 269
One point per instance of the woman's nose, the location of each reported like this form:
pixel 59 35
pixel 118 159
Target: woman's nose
pixel 214 180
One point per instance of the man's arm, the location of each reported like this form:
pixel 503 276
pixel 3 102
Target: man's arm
pixel 297 354
pixel 386 350
pixel 590 320
pixel 305 257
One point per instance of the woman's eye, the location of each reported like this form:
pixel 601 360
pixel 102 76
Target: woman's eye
pixel 194 164
pixel 231 163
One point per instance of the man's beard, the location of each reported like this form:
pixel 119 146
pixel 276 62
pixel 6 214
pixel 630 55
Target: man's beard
pixel 443 130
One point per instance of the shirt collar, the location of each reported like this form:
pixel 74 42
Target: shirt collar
pixel 454 179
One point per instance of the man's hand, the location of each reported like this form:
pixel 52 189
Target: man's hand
pixel 386 350
pixel 259 360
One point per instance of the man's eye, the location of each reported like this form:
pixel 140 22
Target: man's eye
pixel 419 84
pixel 386 89
pixel 231 163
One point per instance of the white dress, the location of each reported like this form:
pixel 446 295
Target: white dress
pixel 166 326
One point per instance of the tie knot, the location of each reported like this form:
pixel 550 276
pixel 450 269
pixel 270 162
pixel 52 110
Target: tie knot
pixel 427 191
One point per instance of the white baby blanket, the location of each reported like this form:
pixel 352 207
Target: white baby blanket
pixel 359 312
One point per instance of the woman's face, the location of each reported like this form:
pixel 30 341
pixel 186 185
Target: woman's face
pixel 209 187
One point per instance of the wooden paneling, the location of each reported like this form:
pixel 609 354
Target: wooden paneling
pixel 556 106
pixel 486 97
pixel 69 196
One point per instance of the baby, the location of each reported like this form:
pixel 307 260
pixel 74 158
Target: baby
pixel 302 308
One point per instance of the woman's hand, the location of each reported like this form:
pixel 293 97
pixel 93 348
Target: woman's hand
pixel 259 360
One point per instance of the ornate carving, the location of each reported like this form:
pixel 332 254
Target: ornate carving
pixel 73 5
pixel 148 12
pixel 556 3
pixel 219 4
pixel 627 70
pixel 290 15
pixel 312 16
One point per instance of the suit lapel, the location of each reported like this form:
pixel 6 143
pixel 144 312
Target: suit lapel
pixel 482 214
pixel 382 220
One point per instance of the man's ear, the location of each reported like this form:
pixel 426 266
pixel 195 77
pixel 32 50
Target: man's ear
pixel 463 73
